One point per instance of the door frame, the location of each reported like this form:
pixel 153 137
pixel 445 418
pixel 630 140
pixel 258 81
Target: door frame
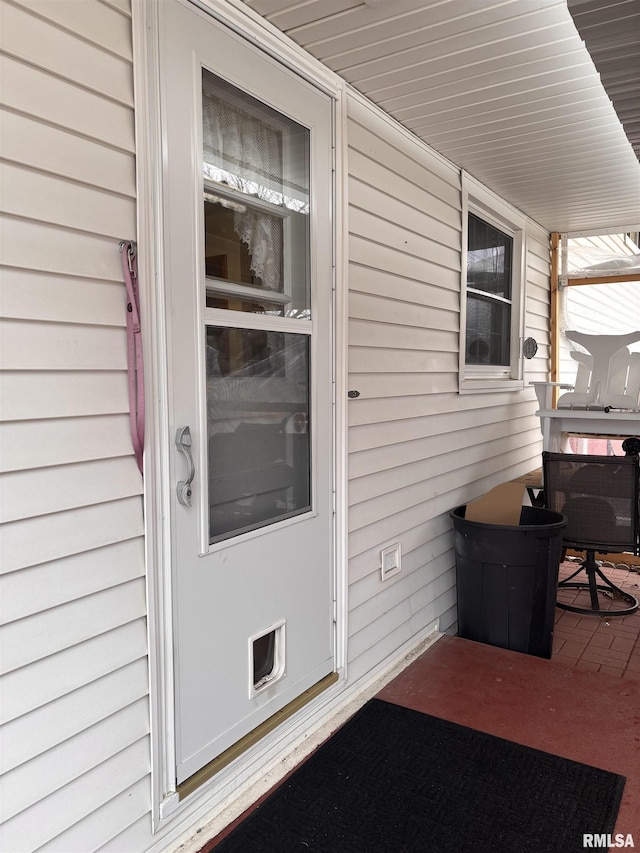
pixel 166 806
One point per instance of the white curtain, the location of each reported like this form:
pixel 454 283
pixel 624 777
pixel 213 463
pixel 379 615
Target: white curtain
pixel 244 152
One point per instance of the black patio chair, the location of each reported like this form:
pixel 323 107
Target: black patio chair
pixel 599 497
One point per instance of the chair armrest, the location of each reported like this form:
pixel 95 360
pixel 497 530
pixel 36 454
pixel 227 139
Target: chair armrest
pixel 544 392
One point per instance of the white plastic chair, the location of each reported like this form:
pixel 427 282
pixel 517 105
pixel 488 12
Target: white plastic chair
pixel 608 375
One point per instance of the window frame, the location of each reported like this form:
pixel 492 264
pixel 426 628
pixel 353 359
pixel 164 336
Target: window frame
pixel 479 201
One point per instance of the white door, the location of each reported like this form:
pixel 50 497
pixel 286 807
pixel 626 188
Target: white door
pixel 247 231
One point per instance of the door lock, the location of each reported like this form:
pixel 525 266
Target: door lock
pixel 183 443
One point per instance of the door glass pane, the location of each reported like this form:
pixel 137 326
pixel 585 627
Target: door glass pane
pixel 258 428
pixel 256 204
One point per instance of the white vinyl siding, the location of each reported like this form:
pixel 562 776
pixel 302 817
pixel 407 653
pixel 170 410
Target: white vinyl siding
pixel 416 447
pixel 74 713
pixel 538 304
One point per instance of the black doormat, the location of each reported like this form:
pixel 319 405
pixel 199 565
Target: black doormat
pixel 393 780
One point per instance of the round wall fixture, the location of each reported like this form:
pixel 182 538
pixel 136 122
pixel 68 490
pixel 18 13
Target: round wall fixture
pixel 529 347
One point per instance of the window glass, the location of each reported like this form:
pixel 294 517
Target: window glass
pixel 489 258
pixel 488 331
pixel 489 289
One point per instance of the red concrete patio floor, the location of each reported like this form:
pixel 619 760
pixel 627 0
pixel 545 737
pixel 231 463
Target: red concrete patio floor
pixel 599 644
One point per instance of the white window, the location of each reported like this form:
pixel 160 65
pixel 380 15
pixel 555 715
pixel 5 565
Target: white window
pixel 493 281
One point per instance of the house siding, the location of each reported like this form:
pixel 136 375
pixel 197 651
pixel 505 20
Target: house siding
pixel 74 712
pixel 74 715
pixel 416 447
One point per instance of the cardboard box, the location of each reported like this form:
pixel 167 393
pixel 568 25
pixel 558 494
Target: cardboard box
pixel 502 505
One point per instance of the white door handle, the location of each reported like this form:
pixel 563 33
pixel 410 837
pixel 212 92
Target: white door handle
pixel 183 443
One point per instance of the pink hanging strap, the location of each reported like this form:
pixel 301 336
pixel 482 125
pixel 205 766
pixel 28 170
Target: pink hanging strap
pixel 134 349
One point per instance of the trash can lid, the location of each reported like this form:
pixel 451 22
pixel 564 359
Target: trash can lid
pixel 531 518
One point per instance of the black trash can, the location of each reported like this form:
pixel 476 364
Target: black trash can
pixel 507 578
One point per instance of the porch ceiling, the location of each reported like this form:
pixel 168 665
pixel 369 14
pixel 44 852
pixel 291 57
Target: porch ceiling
pixel 505 89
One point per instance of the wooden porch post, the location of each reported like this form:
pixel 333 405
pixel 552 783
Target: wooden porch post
pixel 554 327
